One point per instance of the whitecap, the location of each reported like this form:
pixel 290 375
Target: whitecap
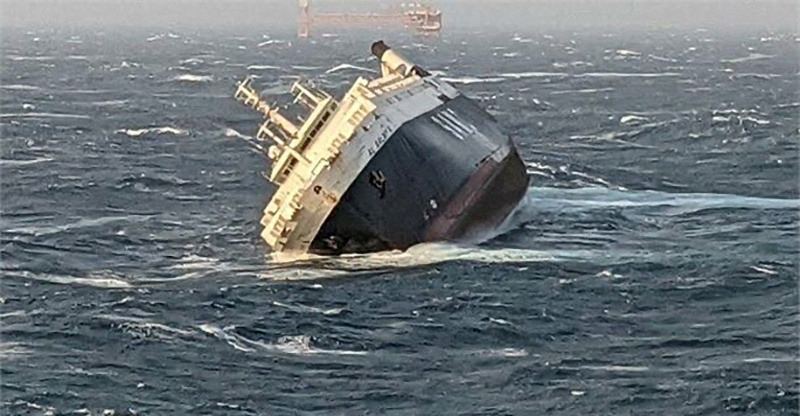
pixel 532 74
pixel 613 368
pixel 99 281
pixel 308 309
pixel 156 130
pixel 544 199
pixel 757 121
pixel 79 224
pixel 143 328
pixel 272 42
pixel 305 68
pixel 295 344
pixel 349 66
pixel 44 115
pixel 662 59
pixel 193 78
pixel 472 80
pixel 12 350
pixel 191 61
pixel 632 120
pixel 229 132
pixel 751 57
pixel 502 352
pixel 194 261
pixel 110 103
pixel 15 163
pixel 583 91
pixel 627 74
pixel 30 58
pixel 19 87
pixel 627 53
pixel 764 270
pixel 260 67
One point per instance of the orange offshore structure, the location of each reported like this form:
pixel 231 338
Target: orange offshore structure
pixel 420 19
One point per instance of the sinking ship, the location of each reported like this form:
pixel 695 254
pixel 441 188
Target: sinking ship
pixel 401 159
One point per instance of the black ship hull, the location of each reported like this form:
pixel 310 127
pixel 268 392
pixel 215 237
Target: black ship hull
pixel 447 175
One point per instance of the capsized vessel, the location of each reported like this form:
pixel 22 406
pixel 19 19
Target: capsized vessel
pixel 401 159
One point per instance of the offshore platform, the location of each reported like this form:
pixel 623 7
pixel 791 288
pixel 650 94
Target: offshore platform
pixel 418 18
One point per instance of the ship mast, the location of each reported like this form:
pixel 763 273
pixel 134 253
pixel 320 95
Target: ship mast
pixel 289 139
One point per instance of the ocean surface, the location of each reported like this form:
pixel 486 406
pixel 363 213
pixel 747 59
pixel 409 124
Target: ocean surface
pixel 652 268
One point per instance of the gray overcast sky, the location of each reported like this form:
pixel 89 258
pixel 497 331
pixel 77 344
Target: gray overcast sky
pixel 458 14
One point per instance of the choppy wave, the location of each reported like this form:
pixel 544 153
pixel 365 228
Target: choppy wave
pixel 44 115
pixel 295 344
pixel 540 199
pixel 17 163
pixel 344 67
pixel 99 280
pixel 751 57
pixel 153 130
pixel 193 78
pixel 19 87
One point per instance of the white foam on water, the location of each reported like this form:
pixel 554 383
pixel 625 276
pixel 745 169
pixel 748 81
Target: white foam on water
pixel 193 261
pixel 627 53
pixel 29 58
pixel 601 198
pixel 191 61
pixel 472 80
pixel 764 270
pixel 751 57
pixel 17 163
pixel 153 130
pixel 308 309
pixel 583 91
pixel 233 133
pixel 13 350
pixel 627 74
pixel 612 368
pixel 193 78
pixel 19 87
pixel 306 68
pixel 343 67
pixel 532 74
pixel 262 67
pixel 144 328
pixel 422 255
pixel 502 352
pixel 99 281
pixel 295 344
pixel 44 115
pixel 77 225
pixel 272 42
pixel 631 120
pixel 771 360
pixel 222 333
pixel 662 58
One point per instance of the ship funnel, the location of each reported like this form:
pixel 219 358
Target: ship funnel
pixel 394 63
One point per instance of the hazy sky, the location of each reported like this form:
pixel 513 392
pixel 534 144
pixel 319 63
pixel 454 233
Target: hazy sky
pixel 458 14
